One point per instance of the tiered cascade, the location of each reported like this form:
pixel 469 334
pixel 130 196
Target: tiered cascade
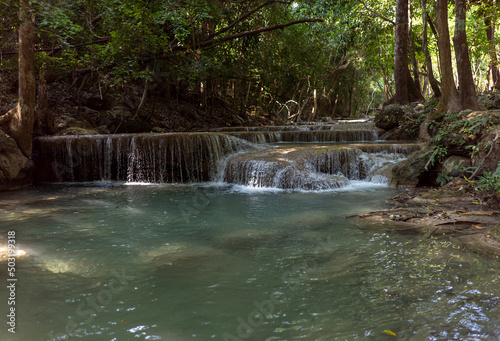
pixel 334 154
pixel 155 158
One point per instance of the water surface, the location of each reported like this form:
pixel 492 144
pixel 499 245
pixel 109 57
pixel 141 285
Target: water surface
pixel 220 262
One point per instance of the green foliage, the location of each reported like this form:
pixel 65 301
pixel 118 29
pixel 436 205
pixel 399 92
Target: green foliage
pixel 437 153
pixel 443 178
pixel 260 70
pixel 490 181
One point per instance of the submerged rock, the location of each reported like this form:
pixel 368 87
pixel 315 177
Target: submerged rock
pixel 180 256
pixel 308 219
pixel 246 239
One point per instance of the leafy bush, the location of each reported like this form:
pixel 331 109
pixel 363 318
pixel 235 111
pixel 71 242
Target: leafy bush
pixel 490 181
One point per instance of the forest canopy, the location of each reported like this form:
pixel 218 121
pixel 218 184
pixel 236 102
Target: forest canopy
pixel 283 58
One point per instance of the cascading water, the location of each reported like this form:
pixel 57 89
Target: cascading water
pixel 235 155
pixel 316 167
pixel 154 158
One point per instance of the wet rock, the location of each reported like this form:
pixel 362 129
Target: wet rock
pixel 16 170
pixel 412 172
pixel 61 266
pixel 246 239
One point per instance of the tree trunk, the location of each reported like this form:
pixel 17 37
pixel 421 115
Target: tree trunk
pixel 414 61
pixel 401 53
pixel 428 61
pixel 449 103
pixel 21 124
pixel 490 34
pixel 44 118
pixel 467 88
pixel 384 76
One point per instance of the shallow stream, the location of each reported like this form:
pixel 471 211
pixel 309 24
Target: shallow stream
pixel 115 261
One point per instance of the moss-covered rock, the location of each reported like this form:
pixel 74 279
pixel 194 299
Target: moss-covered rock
pixel 390 116
pixel 411 172
pixel 70 126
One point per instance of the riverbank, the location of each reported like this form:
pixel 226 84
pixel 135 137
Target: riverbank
pixel 458 211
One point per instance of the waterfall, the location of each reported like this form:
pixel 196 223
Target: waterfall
pixel 314 167
pixel 186 157
pixel 334 154
pixel 307 135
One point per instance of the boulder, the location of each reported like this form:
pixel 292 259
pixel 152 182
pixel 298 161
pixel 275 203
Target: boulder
pixel 411 172
pixel 16 170
pixel 391 115
pixel 69 126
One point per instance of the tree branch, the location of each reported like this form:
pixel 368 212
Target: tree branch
pixel 431 24
pixel 240 19
pixel 377 14
pixel 244 34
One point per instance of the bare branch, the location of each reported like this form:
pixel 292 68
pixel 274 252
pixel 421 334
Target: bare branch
pixel 244 34
pixel 240 19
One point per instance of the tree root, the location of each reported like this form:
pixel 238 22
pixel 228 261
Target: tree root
pixel 6 118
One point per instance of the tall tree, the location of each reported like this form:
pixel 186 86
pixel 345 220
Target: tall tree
pixel 450 102
pixel 467 88
pixel 489 21
pixel 414 61
pixel 401 53
pixel 21 119
pixel 425 47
